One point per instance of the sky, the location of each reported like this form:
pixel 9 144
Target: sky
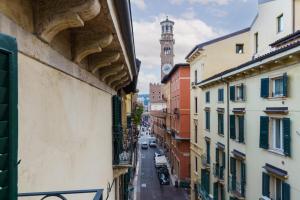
pixel 196 21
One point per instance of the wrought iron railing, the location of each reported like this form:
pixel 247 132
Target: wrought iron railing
pixel 202 193
pixel 236 187
pixel 62 194
pixel 219 171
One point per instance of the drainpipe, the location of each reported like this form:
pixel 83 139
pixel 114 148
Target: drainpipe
pixel 294 15
pixel 228 129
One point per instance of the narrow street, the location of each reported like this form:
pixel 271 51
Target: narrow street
pixel 148 187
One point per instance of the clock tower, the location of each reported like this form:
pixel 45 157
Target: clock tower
pixel 167 46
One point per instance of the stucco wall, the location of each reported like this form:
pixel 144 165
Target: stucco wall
pixel 266 24
pixel 297 15
pixel 65 139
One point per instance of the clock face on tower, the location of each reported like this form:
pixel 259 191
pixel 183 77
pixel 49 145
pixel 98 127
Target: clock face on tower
pixel 166 68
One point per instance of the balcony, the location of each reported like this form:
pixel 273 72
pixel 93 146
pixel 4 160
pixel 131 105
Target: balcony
pixel 237 188
pixel 62 194
pixel 202 193
pixel 123 149
pixel 219 172
pixel 205 162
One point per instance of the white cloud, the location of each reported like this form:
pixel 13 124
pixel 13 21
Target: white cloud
pixel 203 2
pixel 188 32
pixel 139 4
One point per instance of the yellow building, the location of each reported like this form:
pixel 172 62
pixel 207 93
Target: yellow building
pixel 242 104
pixel 59 74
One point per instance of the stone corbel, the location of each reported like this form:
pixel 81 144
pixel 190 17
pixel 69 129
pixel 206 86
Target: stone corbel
pixel 124 83
pixel 55 16
pixel 119 82
pixel 99 61
pixel 109 80
pixel 87 43
pixel 109 70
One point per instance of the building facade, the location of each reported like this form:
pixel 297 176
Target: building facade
pixel 179 80
pixel 60 76
pixel 247 129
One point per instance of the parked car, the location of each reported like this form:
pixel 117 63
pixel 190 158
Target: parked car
pixel 144 145
pixel 152 144
pixel 163 175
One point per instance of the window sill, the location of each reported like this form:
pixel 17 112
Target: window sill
pixel 221 135
pixel 277 152
pixel 220 102
pixel 276 98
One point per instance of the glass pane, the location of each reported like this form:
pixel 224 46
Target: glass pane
pixel 278 189
pixel 277 134
pixel 278 86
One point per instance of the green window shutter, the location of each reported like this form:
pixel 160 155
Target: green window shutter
pixel 207 121
pixel 287 136
pixel 232 166
pixel 264 132
pixel 232 93
pixel 241 128
pixel 286 191
pixel 8 118
pixel 243 91
pixel 232 126
pixel 217 155
pixel 265 184
pixel 216 191
pixel 223 159
pixel 243 178
pixel 264 90
pixel 221 123
pixel 285 85
pixel 208 151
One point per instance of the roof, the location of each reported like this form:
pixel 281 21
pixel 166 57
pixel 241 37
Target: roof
pixel 173 70
pixel 199 46
pixel 286 39
pixel 256 60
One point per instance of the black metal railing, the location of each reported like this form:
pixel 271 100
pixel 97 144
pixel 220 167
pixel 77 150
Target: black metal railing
pixel 219 171
pixel 123 149
pixel 62 194
pixel 202 193
pixel 236 187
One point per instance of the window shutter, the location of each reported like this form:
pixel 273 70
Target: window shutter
pixel 243 92
pixel 233 173
pixel 232 93
pixel 264 90
pixel 217 155
pixel 208 152
pixel 265 184
pixel 241 129
pixel 285 85
pixel 232 126
pixel 264 132
pixel 216 191
pixel 223 159
pixel 286 191
pixel 8 118
pixel 287 136
pixel 243 178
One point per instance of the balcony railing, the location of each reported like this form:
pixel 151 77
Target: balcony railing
pixel 123 148
pixel 237 188
pixel 202 193
pixel 205 161
pixel 219 171
pixel 62 194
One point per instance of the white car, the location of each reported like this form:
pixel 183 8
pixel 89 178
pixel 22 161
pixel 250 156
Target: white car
pixel 152 144
pixel 144 145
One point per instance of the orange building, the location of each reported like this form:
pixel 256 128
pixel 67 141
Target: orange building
pixel 179 79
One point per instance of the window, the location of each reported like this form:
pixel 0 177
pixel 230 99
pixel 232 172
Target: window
pixel 167 50
pixel 274 87
pixel 196 78
pixel 196 105
pixel 207 97
pixel 237 128
pixel 196 134
pixel 237 92
pixel 280 23
pixel 207 120
pixel 274 187
pixel 238 176
pixel 196 163
pixel 239 48
pixel 207 152
pixel 221 95
pixel 221 123
pixel 277 134
pixel 256 42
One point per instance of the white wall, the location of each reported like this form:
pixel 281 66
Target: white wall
pixel 65 137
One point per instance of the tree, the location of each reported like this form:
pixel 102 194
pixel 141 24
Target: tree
pixel 137 115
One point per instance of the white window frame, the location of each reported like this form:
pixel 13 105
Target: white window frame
pixel 273 187
pixel 273 85
pixel 238 92
pixel 273 134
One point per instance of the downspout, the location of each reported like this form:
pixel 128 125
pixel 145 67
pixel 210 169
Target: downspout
pixel 294 15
